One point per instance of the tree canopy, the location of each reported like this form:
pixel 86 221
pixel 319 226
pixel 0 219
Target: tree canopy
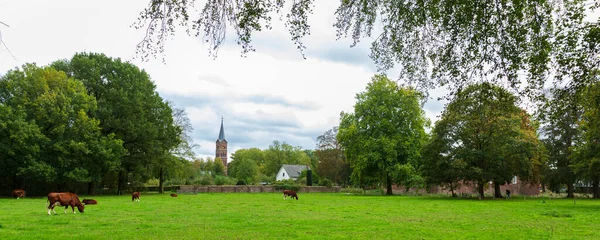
pixel 382 138
pixel 483 137
pixel 435 43
pixel 54 109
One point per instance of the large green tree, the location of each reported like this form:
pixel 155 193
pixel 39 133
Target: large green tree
pixel 128 107
pixel 384 135
pixel 561 133
pixel 439 167
pixel 20 142
pixel 251 154
pixel 483 137
pixel 75 150
pixel 586 160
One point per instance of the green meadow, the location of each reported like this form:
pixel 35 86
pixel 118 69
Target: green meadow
pixel 313 216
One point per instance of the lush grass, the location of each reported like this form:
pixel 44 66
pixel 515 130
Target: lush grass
pixel 314 216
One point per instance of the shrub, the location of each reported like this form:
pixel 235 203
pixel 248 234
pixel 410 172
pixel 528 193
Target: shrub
pixel 151 183
pixel 241 182
pixel 282 186
pixel 326 182
pixel 202 180
pixel 223 180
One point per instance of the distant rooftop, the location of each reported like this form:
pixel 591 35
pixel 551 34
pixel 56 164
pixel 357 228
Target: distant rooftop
pixel 294 170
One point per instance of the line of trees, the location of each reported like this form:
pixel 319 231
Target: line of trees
pixel 253 165
pixel 482 137
pixel 91 119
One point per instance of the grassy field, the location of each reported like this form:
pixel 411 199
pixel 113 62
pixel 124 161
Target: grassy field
pixel 314 216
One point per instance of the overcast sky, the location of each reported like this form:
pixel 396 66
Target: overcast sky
pixel 273 94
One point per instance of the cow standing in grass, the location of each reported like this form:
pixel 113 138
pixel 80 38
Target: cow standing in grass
pixel 290 193
pixel 64 199
pixel 135 196
pixel 18 193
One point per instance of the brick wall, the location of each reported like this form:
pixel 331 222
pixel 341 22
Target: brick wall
pixel 521 188
pixel 248 189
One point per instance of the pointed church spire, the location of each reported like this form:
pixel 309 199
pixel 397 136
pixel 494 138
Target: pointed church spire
pixel 221 132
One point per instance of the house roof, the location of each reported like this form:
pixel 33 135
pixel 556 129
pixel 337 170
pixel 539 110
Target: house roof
pixel 294 170
pixel 221 132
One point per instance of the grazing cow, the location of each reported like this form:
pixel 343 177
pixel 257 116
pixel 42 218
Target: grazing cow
pixel 290 193
pixel 18 193
pixel 89 201
pixel 173 195
pixel 135 196
pixel 64 199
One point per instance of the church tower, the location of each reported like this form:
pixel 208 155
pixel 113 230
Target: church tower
pixel 221 147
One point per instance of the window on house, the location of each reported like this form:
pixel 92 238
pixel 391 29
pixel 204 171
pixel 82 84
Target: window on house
pixel 283 174
pixel 514 180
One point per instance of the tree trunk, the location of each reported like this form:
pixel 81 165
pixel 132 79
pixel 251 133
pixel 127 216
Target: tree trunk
pixel 452 190
pixel 595 186
pixel 121 183
pixel 389 185
pixel 543 188
pixel 497 192
pixel 161 179
pixel 480 189
pixel 91 189
pixel 16 183
pixel 570 190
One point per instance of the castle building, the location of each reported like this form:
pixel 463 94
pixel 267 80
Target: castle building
pixel 221 147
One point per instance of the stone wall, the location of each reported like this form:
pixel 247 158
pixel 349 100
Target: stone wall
pixel 249 189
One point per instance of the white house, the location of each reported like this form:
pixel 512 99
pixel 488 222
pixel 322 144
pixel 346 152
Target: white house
pixel 290 171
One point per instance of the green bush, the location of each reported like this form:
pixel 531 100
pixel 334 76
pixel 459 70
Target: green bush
pixel 241 182
pixel 285 186
pixel 326 182
pixel 203 180
pixel 151 183
pixel 223 180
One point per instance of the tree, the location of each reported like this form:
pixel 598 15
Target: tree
pixel 254 154
pixel 280 153
pixel 561 132
pixel 436 43
pixel 20 142
pixel 129 107
pixel 218 167
pixel 586 159
pixel 247 170
pixel 332 163
pixel 439 167
pixel 384 134
pixel 483 136
pixel 75 149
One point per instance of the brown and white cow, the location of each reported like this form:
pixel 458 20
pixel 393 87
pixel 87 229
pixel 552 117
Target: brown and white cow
pixel 290 193
pixel 18 193
pixel 64 199
pixel 89 201
pixel 135 196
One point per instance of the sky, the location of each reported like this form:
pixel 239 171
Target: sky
pixel 272 94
